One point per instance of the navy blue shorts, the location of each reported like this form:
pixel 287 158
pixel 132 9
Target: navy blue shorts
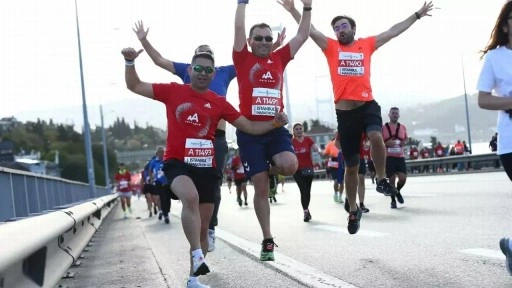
pixel 256 151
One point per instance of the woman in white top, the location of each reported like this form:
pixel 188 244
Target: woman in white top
pixel 496 75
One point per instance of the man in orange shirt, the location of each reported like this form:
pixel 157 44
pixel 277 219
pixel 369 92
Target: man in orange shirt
pixel 335 168
pixel 349 65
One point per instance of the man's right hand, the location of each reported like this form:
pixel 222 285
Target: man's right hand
pixel 288 5
pixel 139 30
pixel 130 54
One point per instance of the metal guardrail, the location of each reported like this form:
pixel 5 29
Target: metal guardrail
pixel 475 162
pixel 37 251
pixel 24 194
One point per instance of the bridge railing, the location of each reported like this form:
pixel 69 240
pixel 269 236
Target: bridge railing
pixel 37 251
pixel 24 194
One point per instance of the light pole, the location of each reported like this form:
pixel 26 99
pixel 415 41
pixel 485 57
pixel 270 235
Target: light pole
pixel 87 129
pixel 105 156
pixel 466 100
pixel 288 106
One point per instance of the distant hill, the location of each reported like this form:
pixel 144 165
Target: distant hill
pixel 447 120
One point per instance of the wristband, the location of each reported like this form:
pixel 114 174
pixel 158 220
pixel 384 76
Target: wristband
pixel 129 62
pixel 243 1
pixel 307 9
pixel 275 124
pixel 417 15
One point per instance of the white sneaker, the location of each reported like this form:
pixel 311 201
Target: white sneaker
pixel 211 240
pixel 199 267
pixel 196 284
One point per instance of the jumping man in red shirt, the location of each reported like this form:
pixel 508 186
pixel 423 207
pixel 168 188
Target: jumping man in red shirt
pixel 356 111
pixel 260 84
pixel 193 113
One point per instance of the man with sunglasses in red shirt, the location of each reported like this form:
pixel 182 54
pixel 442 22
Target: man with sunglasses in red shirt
pixel 260 84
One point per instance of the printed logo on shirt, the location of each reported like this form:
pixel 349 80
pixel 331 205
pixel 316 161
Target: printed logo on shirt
pixel 267 75
pixel 207 105
pixel 194 118
pixel 269 61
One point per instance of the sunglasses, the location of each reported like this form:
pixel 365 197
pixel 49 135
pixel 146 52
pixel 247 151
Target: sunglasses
pixel 343 26
pixel 199 68
pixel 259 38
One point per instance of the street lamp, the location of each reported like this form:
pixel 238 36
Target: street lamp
pixel 105 156
pixel 87 129
pixel 466 100
pixel 288 107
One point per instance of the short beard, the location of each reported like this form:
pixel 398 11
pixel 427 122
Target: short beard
pixel 348 40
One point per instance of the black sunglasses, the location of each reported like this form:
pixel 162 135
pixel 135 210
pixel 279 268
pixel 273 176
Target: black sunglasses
pixel 259 38
pixel 199 68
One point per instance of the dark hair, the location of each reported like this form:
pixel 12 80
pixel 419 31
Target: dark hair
pixel 297 124
pixel 203 55
pixel 202 46
pixel 394 108
pixel 498 36
pixel 341 17
pixel 260 25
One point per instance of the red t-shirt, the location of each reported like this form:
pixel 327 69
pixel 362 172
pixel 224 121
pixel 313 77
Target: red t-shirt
pixel 425 153
pixel 414 154
pixel 237 168
pixel 439 150
pixel 303 151
pixel 260 82
pixel 192 118
pixel 123 178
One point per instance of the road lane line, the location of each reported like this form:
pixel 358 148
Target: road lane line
pixel 300 272
pixel 340 229
pixel 489 253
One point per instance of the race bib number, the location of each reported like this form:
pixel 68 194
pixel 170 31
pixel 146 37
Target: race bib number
pixel 199 152
pixel 394 150
pixel 265 101
pixel 240 170
pixel 123 184
pixel 439 153
pixel 333 164
pixel 160 174
pixel 415 154
pixel 350 64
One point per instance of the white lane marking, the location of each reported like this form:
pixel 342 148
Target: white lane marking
pixel 489 253
pixel 299 271
pixel 305 274
pixel 340 229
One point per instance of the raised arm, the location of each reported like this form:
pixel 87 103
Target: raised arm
pixel 280 39
pixel 240 36
pixel 133 82
pixel 260 127
pixel 399 28
pixel 317 36
pixel 153 54
pixel 304 28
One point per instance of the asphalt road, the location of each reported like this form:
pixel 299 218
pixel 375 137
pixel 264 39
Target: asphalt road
pixel 445 235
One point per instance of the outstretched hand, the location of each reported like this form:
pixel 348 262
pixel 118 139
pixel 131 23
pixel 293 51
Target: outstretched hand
pixel 288 5
pixel 280 37
pixel 307 3
pixel 130 54
pixel 139 30
pixel 280 118
pixel 427 7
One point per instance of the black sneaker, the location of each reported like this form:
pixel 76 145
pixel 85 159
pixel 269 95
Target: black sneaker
pixel 275 200
pixel 160 215
pixel 385 188
pixel 363 208
pixel 166 219
pixel 307 216
pixel 399 198
pixel 347 205
pixel 245 203
pixel 154 210
pixel 393 205
pixel 239 202
pixel 353 221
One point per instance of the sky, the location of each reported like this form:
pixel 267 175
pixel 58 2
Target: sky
pixel 40 74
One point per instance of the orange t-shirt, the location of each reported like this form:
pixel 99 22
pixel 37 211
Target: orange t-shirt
pixel 332 152
pixel 349 67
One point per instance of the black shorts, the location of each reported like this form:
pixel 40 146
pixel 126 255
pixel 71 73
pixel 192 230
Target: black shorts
pixel 351 126
pixel 395 165
pixel 239 182
pixel 205 179
pixel 147 188
pixel 371 166
pixel 362 167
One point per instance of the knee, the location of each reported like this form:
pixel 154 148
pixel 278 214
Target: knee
pixel 287 163
pixel 190 199
pixel 375 136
